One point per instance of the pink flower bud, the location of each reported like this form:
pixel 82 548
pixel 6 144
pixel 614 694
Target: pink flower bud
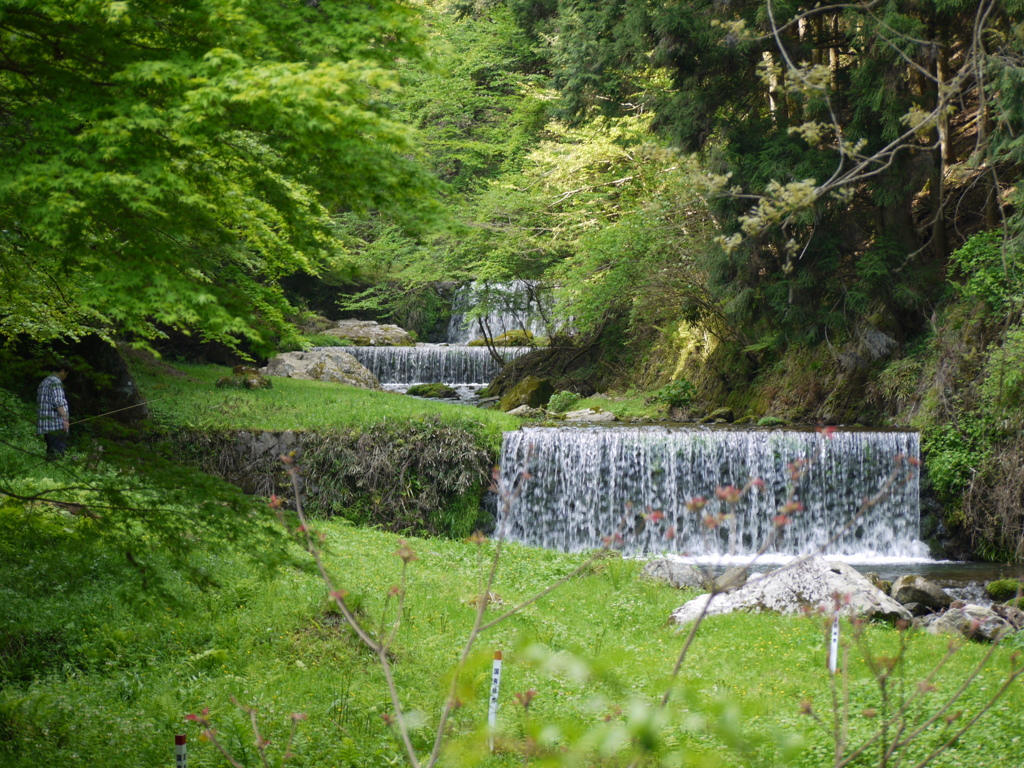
pixel 405 553
pixel 730 494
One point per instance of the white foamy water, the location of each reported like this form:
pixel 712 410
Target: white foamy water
pixel 433 363
pixel 579 486
pixel 862 562
pixel 512 306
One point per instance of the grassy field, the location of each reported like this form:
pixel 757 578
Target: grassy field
pixel 185 396
pixel 101 661
pixel 97 671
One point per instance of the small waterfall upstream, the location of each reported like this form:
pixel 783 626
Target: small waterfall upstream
pixel 512 306
pixel 432 363
pixel 584 484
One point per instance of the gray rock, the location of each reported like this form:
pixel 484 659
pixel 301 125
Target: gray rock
pixel 526 412
pixel 733 578
pixel 801 584
pixel 590 415
pixel 878 581
pixel 917 589
pixel 366 333
pixel 1011 613
pixel 971 621
pixel 677 574
pixel 322 365
pixel 918 610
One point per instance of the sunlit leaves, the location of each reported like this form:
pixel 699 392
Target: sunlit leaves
pixel 173 160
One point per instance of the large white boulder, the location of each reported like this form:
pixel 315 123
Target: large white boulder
pixel 801 584
pixel 326 364
pixel 366 333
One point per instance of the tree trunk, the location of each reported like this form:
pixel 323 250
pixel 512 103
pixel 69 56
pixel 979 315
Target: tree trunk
pixel 936 182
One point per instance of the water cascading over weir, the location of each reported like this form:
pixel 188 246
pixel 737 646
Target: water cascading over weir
pixel 577 486
pixel 511 306
pixel 433 363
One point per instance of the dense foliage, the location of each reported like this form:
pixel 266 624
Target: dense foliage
pixel 163 164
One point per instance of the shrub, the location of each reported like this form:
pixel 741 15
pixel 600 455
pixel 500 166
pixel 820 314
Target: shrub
pixel 677 394
pixel 563 401
pixel 990 275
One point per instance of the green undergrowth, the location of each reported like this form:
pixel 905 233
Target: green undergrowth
pixel 628 405
pixel 190 400
pixel 95 673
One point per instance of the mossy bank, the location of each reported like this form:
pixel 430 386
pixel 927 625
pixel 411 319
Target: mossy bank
pixel 378 458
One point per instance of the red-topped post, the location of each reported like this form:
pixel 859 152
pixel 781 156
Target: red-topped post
pixel 180 751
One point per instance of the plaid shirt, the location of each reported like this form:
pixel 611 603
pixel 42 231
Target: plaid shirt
pixel 49 397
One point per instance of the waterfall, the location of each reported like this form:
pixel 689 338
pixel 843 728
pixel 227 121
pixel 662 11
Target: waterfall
pixel 432 363
pixel 577 486
pixel 512 306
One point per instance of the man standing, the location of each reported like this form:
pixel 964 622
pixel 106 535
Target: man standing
pixel 52 417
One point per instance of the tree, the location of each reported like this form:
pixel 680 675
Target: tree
pixel 163 164
pixel 821 126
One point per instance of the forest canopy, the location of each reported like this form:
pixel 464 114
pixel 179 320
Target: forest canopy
pixel 164 164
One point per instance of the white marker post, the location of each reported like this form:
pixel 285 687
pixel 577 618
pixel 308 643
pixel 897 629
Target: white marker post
pixel 492 711
pixel 833 650
pixel 180 751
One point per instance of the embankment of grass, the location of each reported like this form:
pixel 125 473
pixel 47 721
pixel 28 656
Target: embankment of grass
pixel 98 675
pixel 376 458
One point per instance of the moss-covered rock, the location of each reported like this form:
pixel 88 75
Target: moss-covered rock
pixel 771 421
pixel 719 415
pixel 243 377
pixel 438 391
pixel 1003 589
pixel 516 338
pixel 531 391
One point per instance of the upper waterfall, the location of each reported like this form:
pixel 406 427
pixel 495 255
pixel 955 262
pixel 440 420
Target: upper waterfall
pixel 518 305
pixel 577 486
